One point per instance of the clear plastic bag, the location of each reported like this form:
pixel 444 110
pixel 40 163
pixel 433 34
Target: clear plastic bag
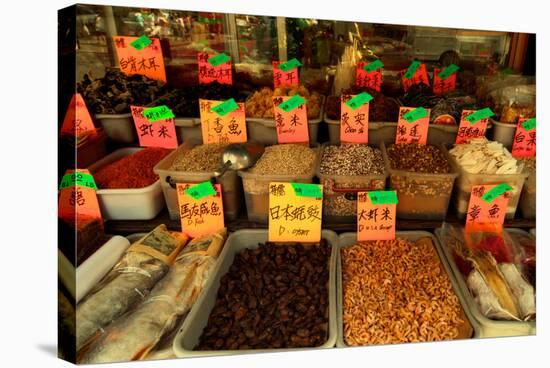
pixel 491 266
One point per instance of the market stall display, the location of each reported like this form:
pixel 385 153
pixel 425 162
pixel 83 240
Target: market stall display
pixel 398 291
pixel 481 161
pixel 345 170
pixel 263 297
pixel 159 272
pixel 282 163
pixel 422 177
pixel 489 267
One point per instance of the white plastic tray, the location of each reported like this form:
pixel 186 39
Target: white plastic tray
pixel 118 127
pixel 191 330
pixel 128 204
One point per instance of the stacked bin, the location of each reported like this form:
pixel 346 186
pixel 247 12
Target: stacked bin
pixel 340 192
pixel 421 196
pixel 230 183
pixel 256 190
pixel 467 180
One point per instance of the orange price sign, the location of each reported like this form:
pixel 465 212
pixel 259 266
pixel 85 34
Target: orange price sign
pixel 442 86
pixel 161 133
pixel 354 123
pixel 222 121
pixel 147 61
pixel 467 130
pixel 412 126
pixel 295 212
pixel 214 68
pixel 414 75
pixel 77 200
pixel 376 215
pixel 291 119
pixel 200 207
pixel 364 78
pixel 77 119
pixel 525 139
pixel 487 207
pixel 284 78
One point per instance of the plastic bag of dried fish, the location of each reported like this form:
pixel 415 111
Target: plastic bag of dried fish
pixel 130 280
pixel 490 265
pixel 135 335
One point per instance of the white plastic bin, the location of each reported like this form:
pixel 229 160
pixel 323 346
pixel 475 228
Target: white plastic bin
pixel 188 129
pixel 504 133
pixel 231 185
pixel 118 127
pixel 128 204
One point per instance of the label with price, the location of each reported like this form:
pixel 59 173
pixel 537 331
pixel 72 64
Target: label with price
pixel 200 208
pixel 376 215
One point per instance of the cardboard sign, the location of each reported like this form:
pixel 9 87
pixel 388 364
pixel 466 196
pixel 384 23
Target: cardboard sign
pixel 525 140
pixel 467 130
pixel 214 68
pixel 289 77
pixel 369 75
pixel 228 125
pixel 147 61
pixel 412 126
pixel 487 207
pixel 203 215
pixel 294 217
pixel 160 133
pixel 291 119
pixel 445 81
pixel 376 215
pixel 354 122
pixel 414 74
pixel 77 119
pixel 78 196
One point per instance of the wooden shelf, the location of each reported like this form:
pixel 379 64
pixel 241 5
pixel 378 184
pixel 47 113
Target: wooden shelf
pixel 139 226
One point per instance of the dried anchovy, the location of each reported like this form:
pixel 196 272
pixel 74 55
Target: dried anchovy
pixel 203 158
pixel 418 158
pixel 396 291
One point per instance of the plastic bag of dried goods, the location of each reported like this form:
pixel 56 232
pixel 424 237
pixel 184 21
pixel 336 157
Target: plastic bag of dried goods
pixel 143 264
pixel 136 334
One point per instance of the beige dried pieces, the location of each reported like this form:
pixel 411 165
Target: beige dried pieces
pixel 481 156
pixel 396 291
pixel 203 158
pixel 285 159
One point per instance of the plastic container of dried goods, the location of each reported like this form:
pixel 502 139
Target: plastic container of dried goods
pixel 442 134
pixel 528 199
pixel 118 127
pixel 128 204
pixel 466 181
pixel 533 232
pixel 231 185
pixel 504 133
pixel 349 239
pixel 489 327
pixel 421 195
pixel 263 130
pixel 188 335
pixel 256 189
pixel 340 192
pixel 188 128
